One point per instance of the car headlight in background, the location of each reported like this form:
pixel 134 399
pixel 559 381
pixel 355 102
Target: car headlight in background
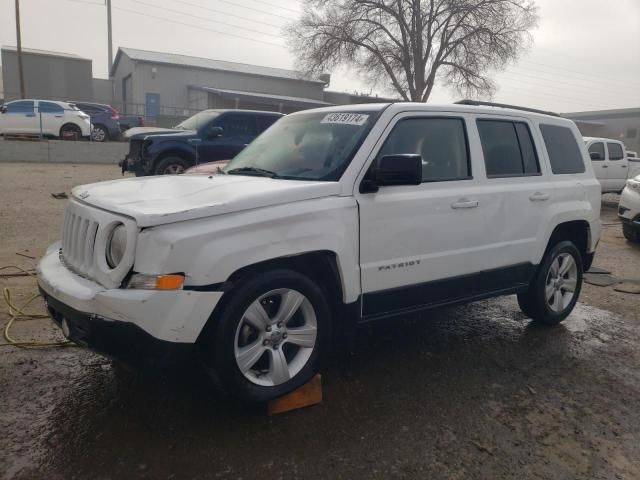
pixel 633 184
pixel 116 245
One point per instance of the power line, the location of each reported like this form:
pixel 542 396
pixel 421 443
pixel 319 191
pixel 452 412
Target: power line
pixel 220 12
pixel 278 6
pixel 198 27
pixel 584 89
pixel 157 7
pixel 254 9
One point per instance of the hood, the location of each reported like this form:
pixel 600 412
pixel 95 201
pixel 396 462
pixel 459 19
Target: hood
pixel 209 167
pixel 173 198
pixel 141 132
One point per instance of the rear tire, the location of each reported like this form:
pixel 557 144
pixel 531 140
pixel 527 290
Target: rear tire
pixel 70 132
pixel 556 286
pixel 631 233
pixel 171 166
pixel 99 133
pixel 268 337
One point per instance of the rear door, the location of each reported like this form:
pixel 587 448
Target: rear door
pixel 599 163
pixel 618 166
pixel 21 117
pixel 52 116
pixel 519 195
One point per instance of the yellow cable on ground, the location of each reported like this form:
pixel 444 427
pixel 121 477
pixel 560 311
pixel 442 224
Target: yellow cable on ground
pixel 18 313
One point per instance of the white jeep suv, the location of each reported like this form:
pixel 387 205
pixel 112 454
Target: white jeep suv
pixel 361 211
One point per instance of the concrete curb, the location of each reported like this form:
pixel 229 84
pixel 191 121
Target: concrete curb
pixel 58 151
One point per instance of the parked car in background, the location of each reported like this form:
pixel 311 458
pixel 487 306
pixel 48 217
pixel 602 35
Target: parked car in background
pixel 632 154
pixel 207 136
pixel 209 168
pixel 128 121
pixel 337 215
pixel 44 117
pixel 104 119
pixel 610 163
pixel 629 209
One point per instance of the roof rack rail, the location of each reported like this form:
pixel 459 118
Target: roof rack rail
pixel 478 103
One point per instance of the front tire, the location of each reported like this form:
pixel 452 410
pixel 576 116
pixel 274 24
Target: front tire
pixel 269 336
pixel 631 233
pixel 99 134
pixel 171 166
pixel 556 285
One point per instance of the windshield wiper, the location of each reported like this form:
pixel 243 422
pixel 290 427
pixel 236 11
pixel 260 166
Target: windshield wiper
pixel 261 172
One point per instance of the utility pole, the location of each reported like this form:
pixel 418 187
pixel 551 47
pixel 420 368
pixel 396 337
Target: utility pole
pixel 19 49
pixel 109 35
pixel 110 49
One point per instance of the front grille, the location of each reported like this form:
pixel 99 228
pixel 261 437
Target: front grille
pixel 78 240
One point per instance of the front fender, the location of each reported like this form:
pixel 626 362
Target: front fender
pixel 210 250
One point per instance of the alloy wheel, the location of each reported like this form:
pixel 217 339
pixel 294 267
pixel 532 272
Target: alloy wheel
pixel 275 337
pixel 561 282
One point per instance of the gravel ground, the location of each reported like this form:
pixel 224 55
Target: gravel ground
pixel 469 392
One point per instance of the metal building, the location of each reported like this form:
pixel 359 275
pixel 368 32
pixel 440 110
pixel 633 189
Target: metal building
pixel 157 84
pixel 621 124
pixel 49 75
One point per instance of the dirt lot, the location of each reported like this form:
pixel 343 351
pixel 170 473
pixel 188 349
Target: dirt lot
pixel 468 392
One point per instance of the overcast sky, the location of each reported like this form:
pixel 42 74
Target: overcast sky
pixel 586 53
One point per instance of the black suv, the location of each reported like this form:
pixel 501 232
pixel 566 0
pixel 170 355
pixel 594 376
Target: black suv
pixel 207 136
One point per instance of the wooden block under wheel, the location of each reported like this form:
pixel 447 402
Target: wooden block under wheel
pixel 305 396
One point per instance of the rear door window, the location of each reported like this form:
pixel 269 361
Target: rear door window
pixel 508 149
pixel 598 149
pixel 615 151
pixel 563 150
pixel 49 107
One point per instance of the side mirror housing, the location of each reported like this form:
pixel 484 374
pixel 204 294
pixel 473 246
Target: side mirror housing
pixel 3 109
pixel 215 132
pixel 401 169
pixel 595 156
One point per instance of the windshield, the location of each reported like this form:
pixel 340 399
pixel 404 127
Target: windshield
pixel 307 146
pixel 196 121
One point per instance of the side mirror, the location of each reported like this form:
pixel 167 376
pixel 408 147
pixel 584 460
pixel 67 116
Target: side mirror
pixel 3 109
pixel 215 132
pixel 402 169
pixel 595 156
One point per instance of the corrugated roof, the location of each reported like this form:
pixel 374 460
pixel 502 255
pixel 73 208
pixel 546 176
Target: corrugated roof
pixel 209 64
pixel 45 52
pixel 256 96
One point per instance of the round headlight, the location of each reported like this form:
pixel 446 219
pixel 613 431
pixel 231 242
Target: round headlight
pixel 116 246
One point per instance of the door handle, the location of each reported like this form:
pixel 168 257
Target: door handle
pixel 59 116
pixel 624 166
pixel 605 166
pixel 539 197
pixel 30 115
pixel 464 203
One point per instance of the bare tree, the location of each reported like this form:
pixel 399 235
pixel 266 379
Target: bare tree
pixel 408 44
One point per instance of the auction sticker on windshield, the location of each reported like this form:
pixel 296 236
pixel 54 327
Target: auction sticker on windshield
pixel 345 118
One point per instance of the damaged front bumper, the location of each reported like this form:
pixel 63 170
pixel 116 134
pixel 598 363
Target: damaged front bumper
pixel 119 322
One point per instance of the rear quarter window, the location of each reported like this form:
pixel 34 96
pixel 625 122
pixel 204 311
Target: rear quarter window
pixel 564 154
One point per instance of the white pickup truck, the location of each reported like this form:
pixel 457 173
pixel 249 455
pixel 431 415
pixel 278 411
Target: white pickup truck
pixel 359 212
pixel 610 163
